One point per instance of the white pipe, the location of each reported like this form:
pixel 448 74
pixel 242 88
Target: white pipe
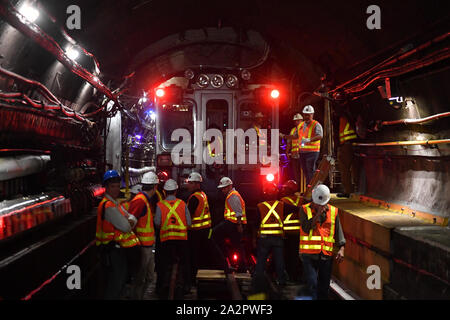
pixel 140 171
pixel 20 166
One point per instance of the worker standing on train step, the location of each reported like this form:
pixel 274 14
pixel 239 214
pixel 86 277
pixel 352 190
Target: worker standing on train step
pixel 114 236
pixel 231 227
pixel 201 222
pixel 293 150
pixel 270 236
pixel 142 209
pixel 346 159
pixel 320 233
pixel 173 218
pixel 291 228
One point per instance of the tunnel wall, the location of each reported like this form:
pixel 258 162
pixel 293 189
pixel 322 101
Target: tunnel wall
pixel 416 176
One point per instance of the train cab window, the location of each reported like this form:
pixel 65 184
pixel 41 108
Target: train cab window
pixel 217 114
pixel 172 117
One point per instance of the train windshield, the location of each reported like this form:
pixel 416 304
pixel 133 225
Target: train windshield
pixel 172 117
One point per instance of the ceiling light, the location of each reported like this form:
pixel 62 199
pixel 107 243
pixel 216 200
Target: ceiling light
pixel 72 53
pixel 29 12
pixel 203 80
pixel 217 81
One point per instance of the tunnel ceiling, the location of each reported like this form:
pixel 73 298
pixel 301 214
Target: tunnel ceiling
pixel 306 37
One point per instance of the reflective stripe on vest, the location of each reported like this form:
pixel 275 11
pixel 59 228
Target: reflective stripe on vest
pixel 311 146
pixel 105 232
pixel 262 137
pixel 144 227
pixel 320 239
pixel 231 215
pixel 271 228
pixel 172 231
pixel 160 196
pixel 294 143
pixel 290 224
pixel 201 217
pixel 346 132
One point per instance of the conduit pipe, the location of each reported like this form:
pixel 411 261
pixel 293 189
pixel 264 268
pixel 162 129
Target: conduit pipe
pixel 402 143
pixel 20 166
pixel 416 121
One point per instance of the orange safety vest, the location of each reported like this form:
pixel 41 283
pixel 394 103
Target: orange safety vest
pixel 311 146
pixel 292 220
pixel 173 220
pixel 106 232
pixel 160 195
pixel 229 214
pixel 295 142
pixel 201 218
pixel 271 217
pixel 320 239
pixel 262 137
pixel 145 230
pixel 346 131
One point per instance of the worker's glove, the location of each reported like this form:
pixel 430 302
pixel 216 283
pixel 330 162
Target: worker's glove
pixel 132 220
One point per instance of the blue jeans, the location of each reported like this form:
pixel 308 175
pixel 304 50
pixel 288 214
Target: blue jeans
pixel 266 245
pixel 308 161
pixel 317 273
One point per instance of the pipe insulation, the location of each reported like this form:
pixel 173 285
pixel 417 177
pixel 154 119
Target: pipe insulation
pixel 21 166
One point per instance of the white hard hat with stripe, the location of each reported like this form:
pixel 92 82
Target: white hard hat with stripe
pixel 225 182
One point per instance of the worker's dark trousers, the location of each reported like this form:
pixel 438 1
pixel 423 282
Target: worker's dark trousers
pixel 115 266
pixel 347 166
pixel 317 274
pixel 308 161
pixel 198 245
pixel 158 269
pixel 171 252
pixel 295 166
pixel 291 244
pixel 227 230
pixel 265 246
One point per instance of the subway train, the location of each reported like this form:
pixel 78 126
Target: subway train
pixel 179 87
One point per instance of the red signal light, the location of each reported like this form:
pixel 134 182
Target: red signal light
pixel 275 94
pixel 270 177
pixel 235 257
pixel 160 93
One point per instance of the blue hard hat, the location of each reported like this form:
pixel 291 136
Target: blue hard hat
pixel 110 174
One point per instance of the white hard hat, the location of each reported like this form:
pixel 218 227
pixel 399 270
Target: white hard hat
pixel 259 115
pixel 298 116
pixel 321 195
pixel 308 109
pixel 150 178
pixel 225 182
pixel 170 185
pixel 195 177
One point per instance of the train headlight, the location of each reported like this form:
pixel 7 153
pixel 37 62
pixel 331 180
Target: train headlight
pixel 217 81
pixel 246 75
pixel 231 81
pixel 202 80
pixel 189 74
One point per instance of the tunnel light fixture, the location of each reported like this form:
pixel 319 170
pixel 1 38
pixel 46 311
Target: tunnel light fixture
pixel 72 53
pixel 30 13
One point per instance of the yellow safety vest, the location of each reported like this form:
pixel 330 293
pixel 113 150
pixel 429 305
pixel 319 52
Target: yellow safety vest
pixel 346 132
pixel 271 217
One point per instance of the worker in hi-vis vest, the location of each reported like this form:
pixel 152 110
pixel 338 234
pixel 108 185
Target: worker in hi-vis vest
pixel 272 213
pixel 144 211
pixel 320 233
pixel 291 228
pixel 347 162
pixel 232 227
pixel 114 237
pixel 173 218
pixel 198 233
pixel 309 133
pixel 293 150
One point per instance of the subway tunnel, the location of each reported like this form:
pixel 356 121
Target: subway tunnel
pixel 138 86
